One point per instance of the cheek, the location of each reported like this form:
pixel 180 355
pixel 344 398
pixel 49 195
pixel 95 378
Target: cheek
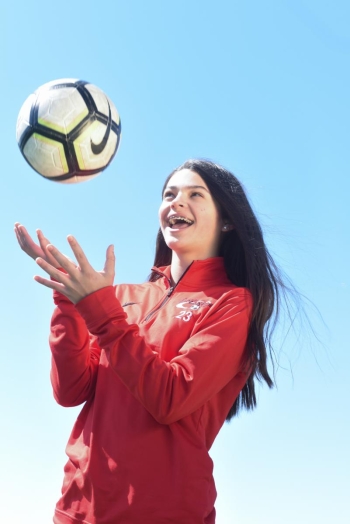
pixel 204 212
pixel 161 213
pixel 209 216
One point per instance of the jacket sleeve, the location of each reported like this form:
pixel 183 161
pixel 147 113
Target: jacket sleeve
pixel 75 355
pixel 204 366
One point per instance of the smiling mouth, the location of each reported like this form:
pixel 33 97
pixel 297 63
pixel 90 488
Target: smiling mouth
pixel 179 222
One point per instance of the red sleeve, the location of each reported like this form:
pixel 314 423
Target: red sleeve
pixel 204 366
pixel 75 355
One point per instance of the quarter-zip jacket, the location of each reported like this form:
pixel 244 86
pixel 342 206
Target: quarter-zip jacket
pixel 158 369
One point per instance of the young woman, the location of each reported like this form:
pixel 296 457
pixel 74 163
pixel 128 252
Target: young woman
pixel 159 366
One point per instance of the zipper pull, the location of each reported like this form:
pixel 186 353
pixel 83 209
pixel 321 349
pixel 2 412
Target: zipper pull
pixel 171 289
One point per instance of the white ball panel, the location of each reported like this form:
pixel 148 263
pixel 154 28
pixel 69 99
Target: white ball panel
pixel 101 101
pixel 23 117
pixel 46 156
pixel 99 98
pixel 114 111
pixel 61 109
pixel 82 145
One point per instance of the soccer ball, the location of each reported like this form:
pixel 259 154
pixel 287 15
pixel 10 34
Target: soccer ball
pixel 68 130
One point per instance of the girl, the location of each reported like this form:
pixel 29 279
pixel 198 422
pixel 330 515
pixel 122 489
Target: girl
pixel 159 366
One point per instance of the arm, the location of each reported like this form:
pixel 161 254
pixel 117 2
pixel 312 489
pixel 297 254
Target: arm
pixel 205 364
pixel 75 355
pixel 74 360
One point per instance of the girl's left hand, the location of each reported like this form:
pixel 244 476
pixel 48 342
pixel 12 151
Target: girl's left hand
pixel 79 280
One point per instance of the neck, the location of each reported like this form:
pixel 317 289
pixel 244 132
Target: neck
pixel 179 266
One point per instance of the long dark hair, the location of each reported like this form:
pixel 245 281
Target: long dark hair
pixel 248 263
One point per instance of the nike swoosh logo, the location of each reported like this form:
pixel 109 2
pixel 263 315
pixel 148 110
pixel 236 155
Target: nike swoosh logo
pixel 98 148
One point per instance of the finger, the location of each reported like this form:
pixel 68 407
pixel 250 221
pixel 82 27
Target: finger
pixel 26 242
pixel 109 267
pixel 25 237
pixel 52 271
pixel 79 254
pixel 19 239
pixel 57 286
pixel 17 225
pixel 60 260
pixel 17 234
pixel 43 241
pixel 20 232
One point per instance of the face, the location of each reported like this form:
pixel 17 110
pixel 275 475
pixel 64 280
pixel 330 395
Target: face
pixel 189 217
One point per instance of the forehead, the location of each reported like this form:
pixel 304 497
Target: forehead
pixel 186 177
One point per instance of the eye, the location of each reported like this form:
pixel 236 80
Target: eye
pixel 195 193
pixel 168 194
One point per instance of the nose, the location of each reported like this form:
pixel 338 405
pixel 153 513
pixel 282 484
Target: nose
pixel 177 204
pixel 178 201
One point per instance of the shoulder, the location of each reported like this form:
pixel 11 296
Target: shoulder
pixel 228 291
pixel 232 301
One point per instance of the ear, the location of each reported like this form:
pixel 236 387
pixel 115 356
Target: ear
pixel 227 227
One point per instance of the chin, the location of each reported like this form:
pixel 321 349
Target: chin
pixel 173 245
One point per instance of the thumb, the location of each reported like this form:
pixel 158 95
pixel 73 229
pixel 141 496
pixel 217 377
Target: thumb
pixel 109 268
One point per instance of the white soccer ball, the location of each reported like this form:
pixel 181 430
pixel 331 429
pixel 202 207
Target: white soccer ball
pixel 68 130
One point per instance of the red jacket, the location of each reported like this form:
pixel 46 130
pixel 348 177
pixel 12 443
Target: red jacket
pixel 158 369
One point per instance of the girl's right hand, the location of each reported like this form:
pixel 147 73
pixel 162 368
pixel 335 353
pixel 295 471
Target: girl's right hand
pixel 32 249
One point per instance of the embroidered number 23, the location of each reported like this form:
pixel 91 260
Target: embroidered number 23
pixel 185 315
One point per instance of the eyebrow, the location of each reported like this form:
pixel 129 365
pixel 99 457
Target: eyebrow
pixel 187 187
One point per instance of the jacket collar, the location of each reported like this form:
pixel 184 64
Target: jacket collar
pixel 199 273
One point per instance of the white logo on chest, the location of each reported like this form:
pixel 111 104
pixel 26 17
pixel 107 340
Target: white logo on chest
pixel 188 307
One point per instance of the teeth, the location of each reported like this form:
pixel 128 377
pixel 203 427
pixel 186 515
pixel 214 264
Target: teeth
pixel 174 220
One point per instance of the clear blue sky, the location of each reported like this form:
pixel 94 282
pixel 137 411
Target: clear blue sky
pixel 261 87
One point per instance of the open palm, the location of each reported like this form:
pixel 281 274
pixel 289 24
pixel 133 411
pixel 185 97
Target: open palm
pixel 32 249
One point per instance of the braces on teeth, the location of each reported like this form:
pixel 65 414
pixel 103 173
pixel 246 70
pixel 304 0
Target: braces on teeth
pixel 175 220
